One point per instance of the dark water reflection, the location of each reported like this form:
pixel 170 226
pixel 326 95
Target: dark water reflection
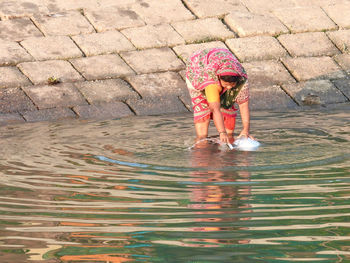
pixel 132 190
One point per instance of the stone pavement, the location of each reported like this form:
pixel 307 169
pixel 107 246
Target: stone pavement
pixel 97 59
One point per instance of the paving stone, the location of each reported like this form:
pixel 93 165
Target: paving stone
pixel 256 48
pixel 269 98
pixel 40 72
pixel 308 44
pixel 103 111
pixel 14 100
pixel 266 6
pixel 158 84
pixel 61 24
pixel 160 12
pixel 267 73
pixel 12 53
pixel 153 36
pixel 52 96
pixel 344 86
pixel 12 77
pixel 316 92
pixel 339 13
pixel 214 8
pixel 184 51
pixel 54 114
pixel 106 90
pixel 344 61
pixel 102 67
pixel 21 8
pixel 203 30
pixel 113 18
pixel 18 29
pixel 248 24
pixel 307 68
pixel 305 19
pixel 103 43
pixel 64 5
pixel 10 118
pixel 157 106
pixel 153 60
pixel 341 39
pixel 53 47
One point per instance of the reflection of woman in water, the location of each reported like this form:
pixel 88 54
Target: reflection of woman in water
pixel 216 80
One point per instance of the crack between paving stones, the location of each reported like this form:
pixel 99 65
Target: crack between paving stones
pixel 37 26
pixel 84 55
pixel 289 95
pixel 187 7
pixel 332 81
pixel 82 12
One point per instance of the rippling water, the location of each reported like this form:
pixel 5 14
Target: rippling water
pixel 133 190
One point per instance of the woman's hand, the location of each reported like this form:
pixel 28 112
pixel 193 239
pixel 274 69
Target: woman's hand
pixel 246 135
pixel 224 137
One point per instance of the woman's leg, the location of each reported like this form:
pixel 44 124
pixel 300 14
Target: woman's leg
pixel 230 123
pixel 202 129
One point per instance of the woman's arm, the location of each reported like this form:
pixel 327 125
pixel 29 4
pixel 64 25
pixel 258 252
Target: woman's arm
pixel 245 115
pixel 218 121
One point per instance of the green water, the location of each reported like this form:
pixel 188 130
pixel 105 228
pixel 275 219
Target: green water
pixel 133 190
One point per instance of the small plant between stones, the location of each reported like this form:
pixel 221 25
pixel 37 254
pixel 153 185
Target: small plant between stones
pixel 53 81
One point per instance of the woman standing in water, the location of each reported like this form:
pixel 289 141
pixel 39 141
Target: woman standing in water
pixel 216 80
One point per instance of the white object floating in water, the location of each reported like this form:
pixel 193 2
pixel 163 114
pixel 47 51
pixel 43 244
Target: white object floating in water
pixel 246 144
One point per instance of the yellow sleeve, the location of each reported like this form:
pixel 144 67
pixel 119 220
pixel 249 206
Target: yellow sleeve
pixel 212 92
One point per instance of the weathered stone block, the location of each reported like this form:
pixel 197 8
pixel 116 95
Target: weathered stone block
pixel 56 6
pixel 54 47
pixel 344 86
pixel 339 13
pixel 103 111
pixel 203 30
pixel 152 36
pixel 267 73
pixel 10 118
pixel 158 84
pixel 256 48
pixel 344 61
pixel 63 24
pixel 52 96
pixel 14 100
pixel 103 43
pixel 18 29
pixel 315 92
pixel 102 67
pixel 12 53
pixel 20 8
pixel 305 19
pixel 54 114
pixel 267 6
pixel 269 98
pixel 40 72
pixel 12 77
pixel 153 60
pixel 106 90
pixel 308 44
pixel 248 24
pixel 308 68
pixel 341 39
pixel 113 18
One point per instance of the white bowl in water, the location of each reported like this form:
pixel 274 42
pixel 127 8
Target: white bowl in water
pixel 246 144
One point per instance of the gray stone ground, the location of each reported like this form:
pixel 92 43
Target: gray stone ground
pixel 116 58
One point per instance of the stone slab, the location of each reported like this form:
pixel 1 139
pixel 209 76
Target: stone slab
pixel 339 13
pixel 103 43
pixel 39 72
pixel 344 86
pixel 158 84
pixel 10 118
pixel 256 48
pixel 50 48
pixel 18 29
pixel 308 44
pixel 269 98
pixel 308 68
pixel 184 51
pixel 21 8
pixel 104 19
pixel 248 24
pixel 267 6
pixel 153 60
pixel 103 111
pixel 157 106
pixel 267 73
pixel 11 77
pixel 153 36
pixel 14 100
pixel 203 30
pixel 341 39
pixel 52 96
pixel 165 11
pixel 63 24
pixel 344 61
pixel 214 8
pixel 316 92
pixel 305 19
pixel 106 90
pixel 54 114
pixel 12 53
pixel 102 67
pixel 63 5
